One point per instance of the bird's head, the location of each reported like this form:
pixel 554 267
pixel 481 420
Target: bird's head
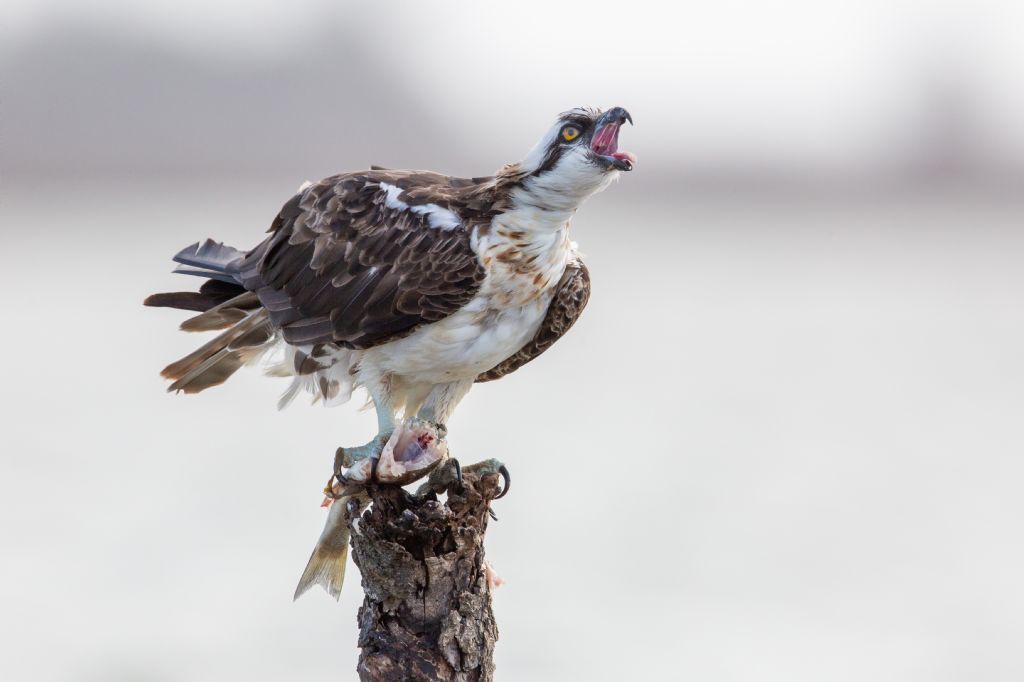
pixel 578 155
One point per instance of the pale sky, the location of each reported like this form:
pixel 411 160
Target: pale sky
pixel 825 81
pixel 810 472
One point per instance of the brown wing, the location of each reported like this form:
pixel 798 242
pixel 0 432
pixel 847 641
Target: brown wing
pixel 343 266
pixel 571 297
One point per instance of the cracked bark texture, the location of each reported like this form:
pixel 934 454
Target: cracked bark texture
pixel 426 614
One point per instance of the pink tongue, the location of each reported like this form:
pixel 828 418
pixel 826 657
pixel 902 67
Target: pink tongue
pixel 628 156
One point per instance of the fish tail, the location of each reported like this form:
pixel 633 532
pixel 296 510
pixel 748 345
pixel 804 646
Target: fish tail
pixel 325 568
pixel 326 565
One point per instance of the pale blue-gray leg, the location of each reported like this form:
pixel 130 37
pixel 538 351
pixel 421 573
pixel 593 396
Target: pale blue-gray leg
pixel 442 401
pixel 381 395
pixel 436 409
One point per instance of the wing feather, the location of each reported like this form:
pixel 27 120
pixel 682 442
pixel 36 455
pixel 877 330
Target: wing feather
pixel 570 299
pixel 343 264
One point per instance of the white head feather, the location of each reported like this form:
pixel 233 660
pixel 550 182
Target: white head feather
pixel 575 175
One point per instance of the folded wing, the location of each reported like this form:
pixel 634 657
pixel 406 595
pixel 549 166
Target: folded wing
pixel 363 258
pixel 570 299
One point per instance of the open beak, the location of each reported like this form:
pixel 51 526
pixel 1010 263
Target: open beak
pixel 605 140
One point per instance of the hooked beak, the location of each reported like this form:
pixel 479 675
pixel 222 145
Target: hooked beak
pixel 604 143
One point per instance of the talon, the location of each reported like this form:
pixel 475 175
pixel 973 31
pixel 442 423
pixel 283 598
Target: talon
pixel 360 473
pixel 458 474
pixel 491 513
pixel 503 470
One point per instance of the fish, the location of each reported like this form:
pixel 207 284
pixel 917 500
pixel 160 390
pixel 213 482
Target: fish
pixel 413 451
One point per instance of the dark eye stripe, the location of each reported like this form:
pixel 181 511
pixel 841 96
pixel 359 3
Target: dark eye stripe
pixel 580 123
pixel 550 160
pixel 555 152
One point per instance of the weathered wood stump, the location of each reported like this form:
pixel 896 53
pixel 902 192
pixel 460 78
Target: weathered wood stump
pixel 427 611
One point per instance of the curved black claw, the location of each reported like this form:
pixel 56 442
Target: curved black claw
pixel 503 470
pixel 458 474
pixel 339 461
pixel 492 514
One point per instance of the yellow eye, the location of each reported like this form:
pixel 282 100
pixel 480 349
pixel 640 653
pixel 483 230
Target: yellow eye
pixel 569 133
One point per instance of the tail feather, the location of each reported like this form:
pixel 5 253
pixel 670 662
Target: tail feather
pixel 209 256
pixel 210 295
pixel 201 272
pixel 213 372
pixel 183 300
pixel 223 314
pixel 178 369
pixel 223 304
pixel 213 362
pixel 212 320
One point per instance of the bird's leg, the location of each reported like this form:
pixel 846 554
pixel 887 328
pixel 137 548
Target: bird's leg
pixel 438 406
pixel 435 411
pixel 491 466
pixel 448 477
pixel 442 478
pixel 441 402
pixel 358 464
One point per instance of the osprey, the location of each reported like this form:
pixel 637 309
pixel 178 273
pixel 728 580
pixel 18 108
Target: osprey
pixel 410 284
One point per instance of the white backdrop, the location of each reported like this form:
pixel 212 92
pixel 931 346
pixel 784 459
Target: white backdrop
pixel 782 444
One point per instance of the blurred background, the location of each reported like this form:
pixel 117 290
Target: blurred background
pixel 784 443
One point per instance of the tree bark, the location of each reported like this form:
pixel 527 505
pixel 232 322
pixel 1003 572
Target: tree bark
pixel 427 614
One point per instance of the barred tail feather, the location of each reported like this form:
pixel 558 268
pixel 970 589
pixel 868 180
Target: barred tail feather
pixel 212 293
pixel 212 363
pixel 223 314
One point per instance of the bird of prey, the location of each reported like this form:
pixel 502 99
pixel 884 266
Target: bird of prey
pixel 412 285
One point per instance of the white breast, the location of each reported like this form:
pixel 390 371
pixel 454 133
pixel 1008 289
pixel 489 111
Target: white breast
pixel 463 345
pixel 524 253
pixel 524 258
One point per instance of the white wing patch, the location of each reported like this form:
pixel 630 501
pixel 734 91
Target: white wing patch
pixel 438 217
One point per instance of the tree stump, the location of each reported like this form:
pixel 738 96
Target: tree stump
pixel 426 615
